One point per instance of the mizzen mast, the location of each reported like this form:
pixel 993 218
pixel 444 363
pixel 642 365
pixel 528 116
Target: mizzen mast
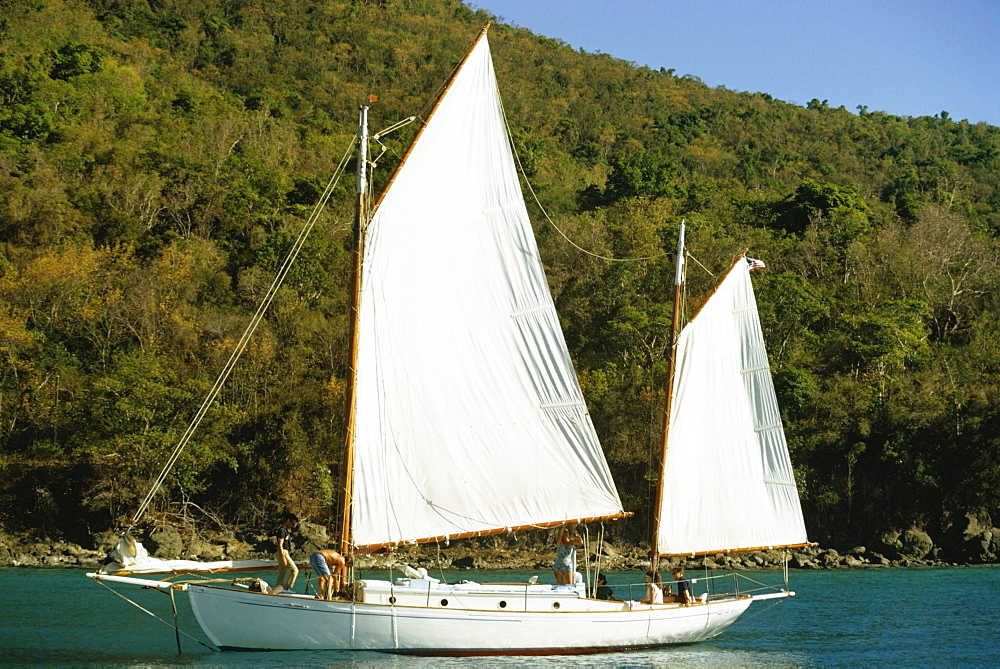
pixel 654 551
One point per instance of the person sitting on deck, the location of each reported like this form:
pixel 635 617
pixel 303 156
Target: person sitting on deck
pixel 685 595
pixel 654 589
pixel 603 590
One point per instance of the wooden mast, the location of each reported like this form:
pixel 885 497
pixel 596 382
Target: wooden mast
pixel 361 191
pixel 654 552
pixel 361 217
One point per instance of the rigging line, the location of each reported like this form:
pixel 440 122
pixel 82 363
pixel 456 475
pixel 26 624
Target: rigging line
pixel 147 611
pixel 599 561
pixel 440 562
pixel 545 214
pixel 754 614
pixel 691 257
pixel 249 331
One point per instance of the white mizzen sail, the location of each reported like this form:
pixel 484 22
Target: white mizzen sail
pixel 469 415
pixel 728 481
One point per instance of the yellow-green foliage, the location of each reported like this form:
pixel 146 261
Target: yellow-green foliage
pixel 157 159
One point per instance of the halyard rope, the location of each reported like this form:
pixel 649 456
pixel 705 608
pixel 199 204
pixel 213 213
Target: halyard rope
pixel 534 196
pixel 248 333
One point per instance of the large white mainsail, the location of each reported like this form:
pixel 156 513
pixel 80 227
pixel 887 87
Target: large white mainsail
pixel 728 480
pixel 469 416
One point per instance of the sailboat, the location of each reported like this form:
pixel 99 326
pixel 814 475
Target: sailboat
pixel 465 419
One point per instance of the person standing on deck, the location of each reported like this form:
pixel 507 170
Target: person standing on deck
pixel 287 570
pixel 565 565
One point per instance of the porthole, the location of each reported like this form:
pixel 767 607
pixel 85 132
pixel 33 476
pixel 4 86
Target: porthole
pixel 392 600
pixel 555 605
pixel 444 602
pixel 503 604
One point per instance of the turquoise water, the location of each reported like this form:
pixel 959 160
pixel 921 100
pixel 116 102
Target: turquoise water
pixel 888 617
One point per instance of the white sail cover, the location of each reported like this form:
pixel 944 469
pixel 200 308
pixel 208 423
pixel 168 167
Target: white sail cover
pixel 469 414
pixel 728 483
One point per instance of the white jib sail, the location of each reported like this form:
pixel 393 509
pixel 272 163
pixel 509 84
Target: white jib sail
pixel 469 414
pixel 728 481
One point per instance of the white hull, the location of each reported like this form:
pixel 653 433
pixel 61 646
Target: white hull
pixel 453 620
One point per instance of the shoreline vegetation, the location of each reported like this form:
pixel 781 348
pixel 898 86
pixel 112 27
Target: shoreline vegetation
pixel 530 551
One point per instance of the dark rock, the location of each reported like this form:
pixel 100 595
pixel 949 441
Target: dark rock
pixel 25 560
pixel 889 544
pixel 801 561
pixel 56 560
pixel 830 558
pixel 775 558
pixel 983 547
pixel 311 538
pixel 252 538
pixel 916 544
pixel 237 550
pixel 105 542
pixel 199 549
pixel 852 561
pixel 974 525
pixel 165 543
pixel 609 551
pixel 977 539
pixel 38 549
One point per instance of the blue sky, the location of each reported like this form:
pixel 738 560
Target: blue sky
pixel 905 57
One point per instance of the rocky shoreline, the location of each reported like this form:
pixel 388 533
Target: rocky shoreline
pixel 531 552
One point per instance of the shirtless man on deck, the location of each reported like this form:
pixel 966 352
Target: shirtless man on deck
pixel 331 567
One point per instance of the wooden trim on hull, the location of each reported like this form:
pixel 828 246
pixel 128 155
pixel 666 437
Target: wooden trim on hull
pixel 485 533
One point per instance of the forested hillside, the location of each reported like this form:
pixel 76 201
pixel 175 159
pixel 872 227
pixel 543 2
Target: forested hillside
pixel 158 158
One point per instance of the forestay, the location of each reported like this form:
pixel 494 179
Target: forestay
pixel 728 478
pixel 469 415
